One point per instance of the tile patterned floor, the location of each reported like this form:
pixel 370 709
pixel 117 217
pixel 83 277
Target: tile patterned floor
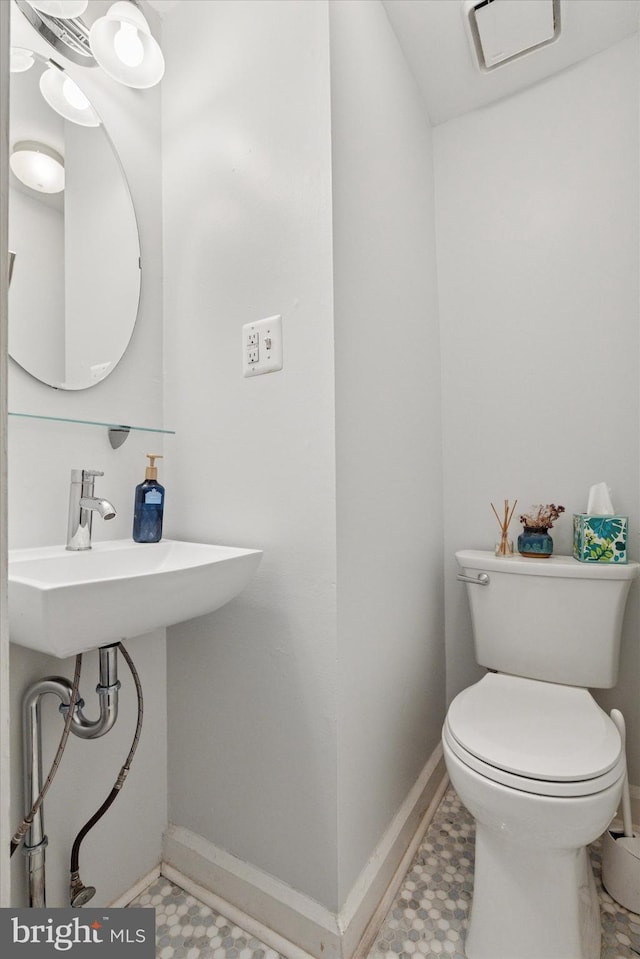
pixel 427 919
pixel 429 915
pixel 187 929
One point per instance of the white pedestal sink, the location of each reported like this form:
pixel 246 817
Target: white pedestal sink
pixel 63 602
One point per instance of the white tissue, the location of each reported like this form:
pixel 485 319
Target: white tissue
pixel 599 503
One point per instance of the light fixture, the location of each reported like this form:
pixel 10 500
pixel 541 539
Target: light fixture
pixel 65 97
pixel 65 9
pixel 21 60
pixel 38 166
pixel 68 35
pixel 122 44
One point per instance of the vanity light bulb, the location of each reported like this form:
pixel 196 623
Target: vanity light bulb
pixel 21 60
pixel 74 95
pixel 65 9
pixel 45 173
pixel 128 45
pixel 38 166
pixel 122 44
pixel 65 97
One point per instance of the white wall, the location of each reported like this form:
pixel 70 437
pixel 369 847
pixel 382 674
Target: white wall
pixel 41 456
pixel 537 232
pixel 388 437
pixel 247 218
pixel 302 713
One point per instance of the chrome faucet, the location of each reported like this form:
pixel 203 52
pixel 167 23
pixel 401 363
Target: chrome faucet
pixel 82 504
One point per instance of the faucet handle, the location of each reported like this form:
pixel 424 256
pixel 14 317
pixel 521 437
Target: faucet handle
pixel 77 474
pixel 84 476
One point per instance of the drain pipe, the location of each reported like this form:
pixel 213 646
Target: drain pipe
pixel 107 689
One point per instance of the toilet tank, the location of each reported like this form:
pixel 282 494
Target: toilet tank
pixel 553 619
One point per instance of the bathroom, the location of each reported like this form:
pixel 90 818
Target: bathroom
pixel 459 298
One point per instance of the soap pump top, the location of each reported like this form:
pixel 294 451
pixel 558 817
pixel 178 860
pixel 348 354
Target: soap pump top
pixel 151 472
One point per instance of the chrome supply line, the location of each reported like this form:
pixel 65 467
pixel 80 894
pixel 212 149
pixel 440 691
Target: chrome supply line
pixel 79 894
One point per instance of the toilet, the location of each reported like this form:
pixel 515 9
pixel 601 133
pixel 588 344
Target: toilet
pixel 535 760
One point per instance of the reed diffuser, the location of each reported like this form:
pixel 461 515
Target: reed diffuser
pixel 505 546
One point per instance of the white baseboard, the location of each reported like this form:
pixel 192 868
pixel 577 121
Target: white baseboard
pixel 239 918
pixel 375 889
pixel 268 901
pixel 139 887
pixel 358 944
pixel 296 920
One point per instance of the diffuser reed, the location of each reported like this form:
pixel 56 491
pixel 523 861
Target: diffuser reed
pixel 505 546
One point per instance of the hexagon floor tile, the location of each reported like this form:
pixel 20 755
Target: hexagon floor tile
pixel 427 919
pixel 429 915
pixel 188 929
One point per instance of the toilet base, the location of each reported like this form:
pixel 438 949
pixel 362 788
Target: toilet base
pixel 534 893
pixel 531 904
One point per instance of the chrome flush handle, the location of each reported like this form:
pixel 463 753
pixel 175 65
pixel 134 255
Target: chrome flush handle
pixel 482 579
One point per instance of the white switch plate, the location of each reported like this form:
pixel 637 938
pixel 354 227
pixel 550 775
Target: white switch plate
pixel 262 346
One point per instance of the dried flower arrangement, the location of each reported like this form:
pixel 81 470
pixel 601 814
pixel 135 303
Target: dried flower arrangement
pixel 504 548
pixel 541 517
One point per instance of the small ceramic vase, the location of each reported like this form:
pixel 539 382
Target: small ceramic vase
pixel 535 542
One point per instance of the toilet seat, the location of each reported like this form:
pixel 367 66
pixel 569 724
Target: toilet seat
pixel 535 736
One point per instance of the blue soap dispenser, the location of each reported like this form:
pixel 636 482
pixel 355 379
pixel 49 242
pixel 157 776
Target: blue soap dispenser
pixel 149 505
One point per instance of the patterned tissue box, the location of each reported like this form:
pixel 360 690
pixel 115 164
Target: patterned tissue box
pixel 600 539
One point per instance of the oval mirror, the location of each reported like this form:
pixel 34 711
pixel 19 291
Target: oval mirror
pixel 73 238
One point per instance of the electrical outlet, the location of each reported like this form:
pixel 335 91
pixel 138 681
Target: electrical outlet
pixel 262 346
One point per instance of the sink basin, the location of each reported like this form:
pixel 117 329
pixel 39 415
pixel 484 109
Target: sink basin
pixel 63 602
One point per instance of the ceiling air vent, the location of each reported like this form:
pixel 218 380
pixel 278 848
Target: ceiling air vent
pixel 503 30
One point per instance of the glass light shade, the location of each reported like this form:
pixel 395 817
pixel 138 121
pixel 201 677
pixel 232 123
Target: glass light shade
pixel 21 60
pixel 65 9
pixel 38 166
pixel 66 98
pixel 122 44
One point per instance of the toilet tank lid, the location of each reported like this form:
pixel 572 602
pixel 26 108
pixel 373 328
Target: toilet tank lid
pixel 535 729
pixel 562 566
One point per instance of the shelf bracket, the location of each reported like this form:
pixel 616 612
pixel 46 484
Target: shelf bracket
pixel 117 435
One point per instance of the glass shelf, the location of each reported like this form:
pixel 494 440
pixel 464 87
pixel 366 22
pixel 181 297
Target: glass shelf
pixel 118 432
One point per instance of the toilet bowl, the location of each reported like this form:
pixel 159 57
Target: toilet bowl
pixel 532 756
pixel 540 768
